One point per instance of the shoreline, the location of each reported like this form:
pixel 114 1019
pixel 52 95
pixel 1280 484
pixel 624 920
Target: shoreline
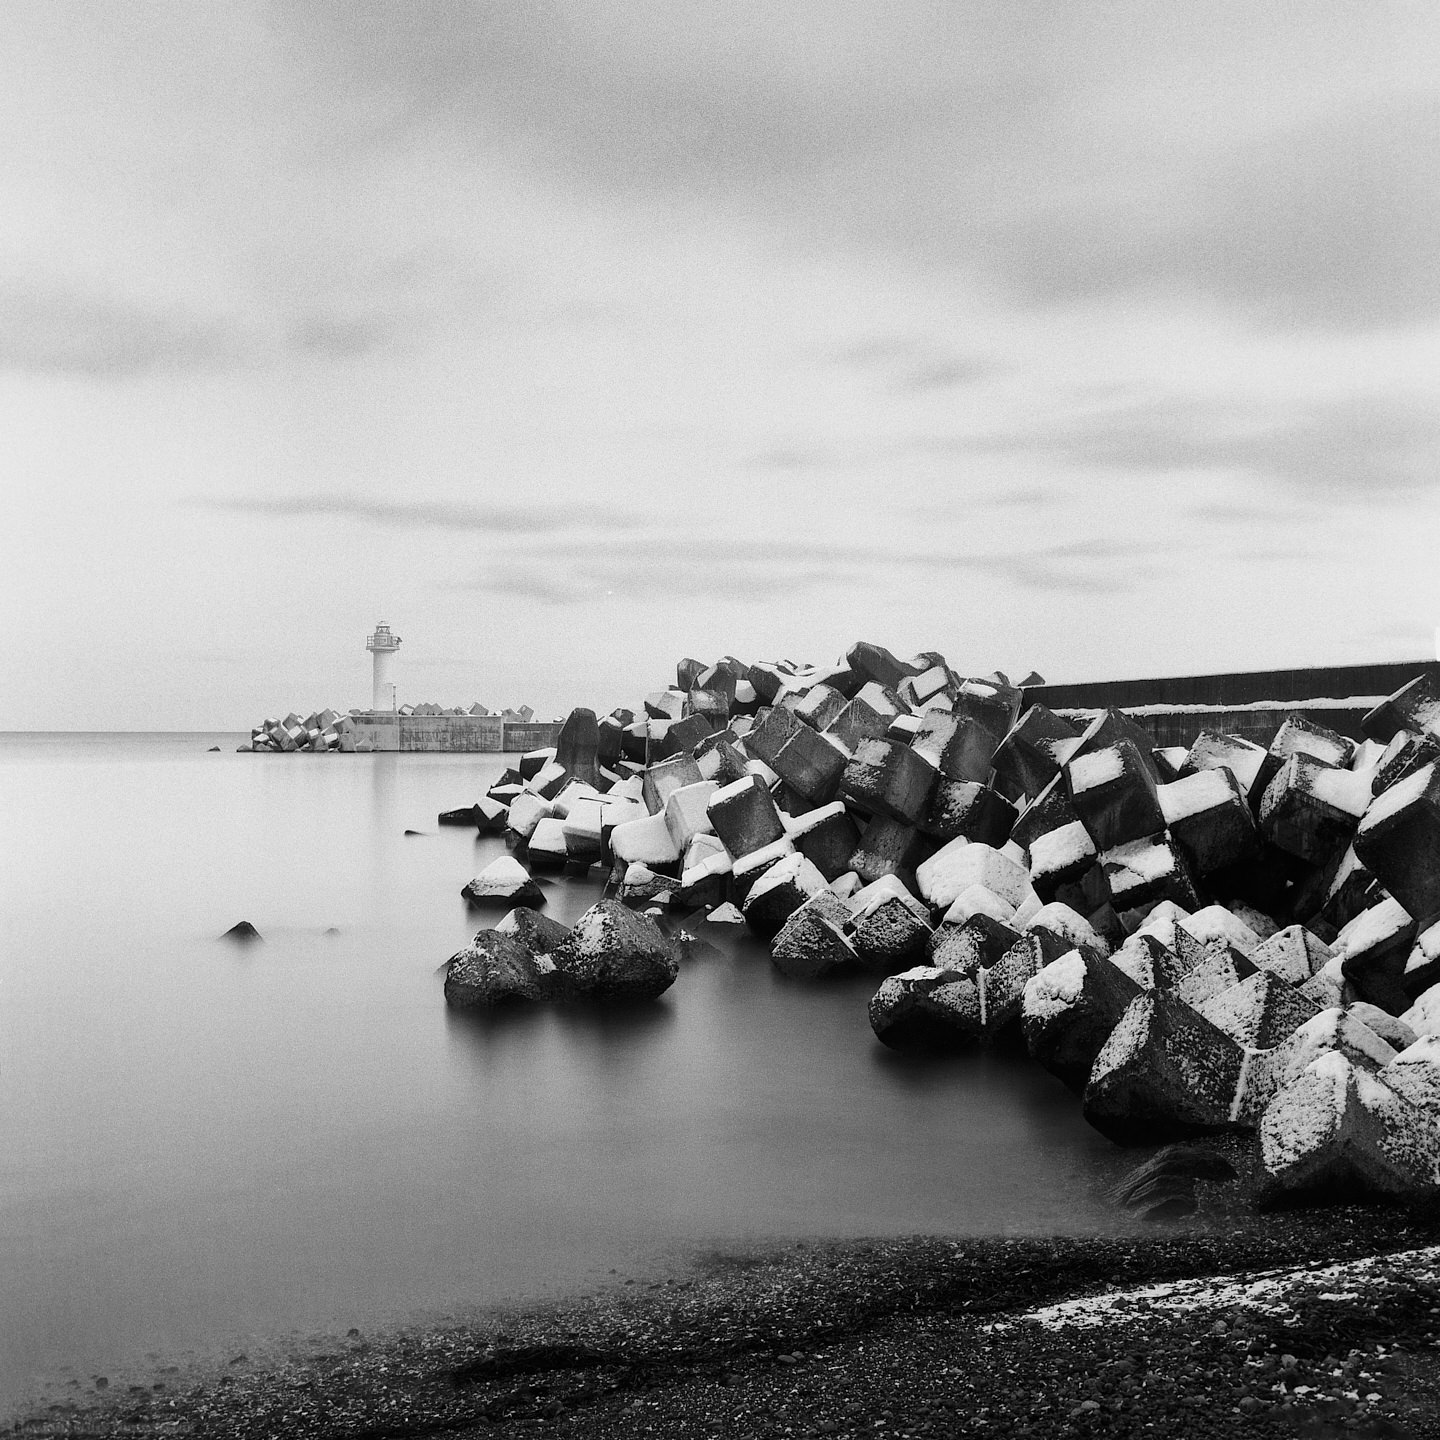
pixel 919 1335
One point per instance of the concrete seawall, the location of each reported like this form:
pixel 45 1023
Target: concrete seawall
pixel 450 733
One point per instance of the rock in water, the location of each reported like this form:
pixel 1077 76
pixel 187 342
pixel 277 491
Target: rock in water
pixel 214 750
pixel 496 968
pixel 612 953
pixel 1164 1185
pixel 243 933
pixel 504 883
pixel 539 934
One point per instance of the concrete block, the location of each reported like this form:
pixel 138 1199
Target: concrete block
pixel 927 1008
pixel 686 811
pixel 1414 1074
pixel 1213 749
pixel 720 759
pixel 1338 1128
pixel 676 737
pixel 546 849
pixel 1422 966
pixel 609 732
pixel 874 663
pixel 890 934
pixel 666 704
pixel 1029 756
pixel 827 837
pixel 747 869
pixel 965 808
pixel 1293 954
pixel 960 747
pixel 1114 792
pixel 635 741
pixel 533 762
pixel 1068 1010
pixel 819 706
pixel 526 811
pixel 1061 928
pixel 775 895
pixel 775 727
pixel 1209 818
pixel 1259 1011
pixel 1404 755
pixel 1002 985
pixel 713 706
pixel 889 780
pixel 1050 809
pixel 1310 808
pixel 649 841
pixel 1111 727
pixel 665 777
pixel 1164 1072
pixel 867 716
pixel 887 847
pixel 1145 871
pixel 548 781
pixel 1060 858
pixel 504 884
pixel 960 864
pixel 577 747
pixel 584 832
pixel 812 943
pixel 810 764
pixel 1374 948
pixel 972 945
pixel 1414 706
pixel 976 900
pixel 1299 736
pixel 744 816
pixel 1207 969
pixel 1398 840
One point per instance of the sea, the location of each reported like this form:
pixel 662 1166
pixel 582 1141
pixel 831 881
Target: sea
pixel 209 1148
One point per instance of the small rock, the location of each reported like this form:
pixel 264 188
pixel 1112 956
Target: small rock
pixel 242 933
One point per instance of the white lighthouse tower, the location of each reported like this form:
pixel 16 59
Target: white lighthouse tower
pixel 382 645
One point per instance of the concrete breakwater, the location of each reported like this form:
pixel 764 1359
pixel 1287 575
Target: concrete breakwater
pixel 427 727
pixel 1223 936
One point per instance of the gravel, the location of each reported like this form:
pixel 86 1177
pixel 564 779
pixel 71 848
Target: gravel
pixel 897 1337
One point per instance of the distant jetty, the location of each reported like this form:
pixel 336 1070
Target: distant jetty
pixel 424 727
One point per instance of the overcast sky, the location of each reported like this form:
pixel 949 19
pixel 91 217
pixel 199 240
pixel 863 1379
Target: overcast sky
pixel 571 339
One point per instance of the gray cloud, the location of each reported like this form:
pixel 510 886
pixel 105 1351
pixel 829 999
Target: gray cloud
pixel 915 364
pixel 57 331
pixel 1374 446
pixel 495 519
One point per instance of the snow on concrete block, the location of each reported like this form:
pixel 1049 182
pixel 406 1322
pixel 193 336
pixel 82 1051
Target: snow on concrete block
pixel 1338 1128
pixel 1209 817
pixel 1415 1074
pixel 1259 1011
pixel 1030 754
pixel 1002 985
pixel 889 780
pixel 867 716
pixel 1068 1011
pixel 649 841
pixel 1374 948
pixel 1147 961
pixel 1310 808
pixel 874 663
pixel 1299 736
pixel 961 864
pixel 927 1008
pixel 811 764
pixel 779 892
pixel 812 942
pixel 1163 1073
pixel 687 813
pixel 969 809
pixel 1293 954
pixel 1415 706
pixel 1215 750
pixel 827 837
pixel 665 776
pixel 504 883
pixel 612 953
pixel 747 869
pixel 958 746
pixel 1334 1028
pixel 890 934
pixel 1422 965
pixel 546 849
pixel 1398 840
pixel 744 816
pixel 1146 870
pixel 1215 922
pixel 776 726
pixel 887 847
pixel 1060 858
pixel 977 900
pixel 719 759
pixel 1207 969
pixel 1063 928
pixel 1114 793
pixel 527 810
pixel 1390 1028
pixel 819 706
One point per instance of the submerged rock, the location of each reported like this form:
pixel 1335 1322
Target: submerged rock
pixel 242 933
pixel 497 968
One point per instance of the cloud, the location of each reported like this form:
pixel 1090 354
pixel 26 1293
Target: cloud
pixel 1369 446
pixel 61 331
pixel 762 571
pixel 1325 224
pixel 915 363
pixel 420 514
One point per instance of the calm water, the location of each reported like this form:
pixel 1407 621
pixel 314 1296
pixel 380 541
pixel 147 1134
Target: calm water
pixel 200 1144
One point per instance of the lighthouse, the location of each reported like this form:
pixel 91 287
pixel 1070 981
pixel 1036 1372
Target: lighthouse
pixel 382 645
